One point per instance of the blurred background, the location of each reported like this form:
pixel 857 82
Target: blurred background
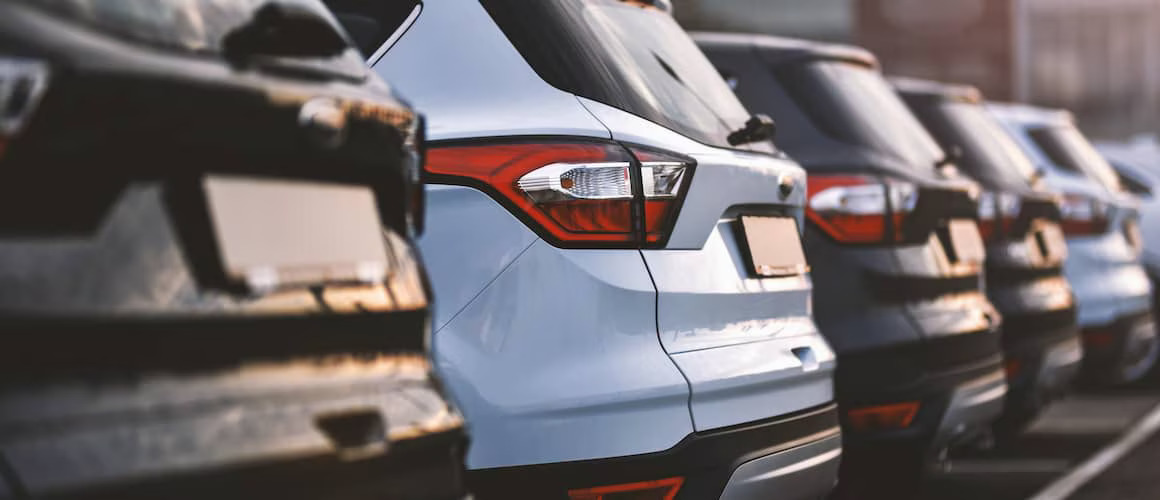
pixel 1098 58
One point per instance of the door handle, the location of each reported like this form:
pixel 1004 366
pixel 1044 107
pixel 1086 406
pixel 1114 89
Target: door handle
pixel 806 356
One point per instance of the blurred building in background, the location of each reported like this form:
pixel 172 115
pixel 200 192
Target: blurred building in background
pixel 1099 58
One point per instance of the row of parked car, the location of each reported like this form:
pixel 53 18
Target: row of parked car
pixel 223 234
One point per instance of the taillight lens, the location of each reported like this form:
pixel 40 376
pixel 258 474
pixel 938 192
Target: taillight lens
pixel 997 214
pixel 578 193
pixel 860 209
pixel 22 83
pixel 1083 216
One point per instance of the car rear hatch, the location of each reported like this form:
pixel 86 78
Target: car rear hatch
pixel 733 307
pixel 209 287
pixel 891 232
pixel 1018 219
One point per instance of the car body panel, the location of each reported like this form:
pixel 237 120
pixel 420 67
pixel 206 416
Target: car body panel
pixel 557 360
pixel 791 474
pixel 567 357
pixel 499 76
pixel 466 214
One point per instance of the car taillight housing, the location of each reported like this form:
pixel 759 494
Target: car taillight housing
pixel 576 193
pixel 22 83
pixel 997 214
pixel 1083 215
pixel 860 209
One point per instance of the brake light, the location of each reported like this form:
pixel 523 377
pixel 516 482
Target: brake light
pixel 997 214
pixel 860 209
pixel 661 489
pixel 574 193
pixel 22 83
pixel 1083 216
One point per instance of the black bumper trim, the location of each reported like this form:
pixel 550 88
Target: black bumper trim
pixel 705 459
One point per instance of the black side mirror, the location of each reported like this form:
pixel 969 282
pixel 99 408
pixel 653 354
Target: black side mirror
pixel 760 127
pixel 279 29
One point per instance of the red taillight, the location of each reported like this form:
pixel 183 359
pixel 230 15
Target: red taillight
pixel 661 489
pixel 22 83
pixel 1083 216
pixel 579 193
pixel 859 209
pixel 997 214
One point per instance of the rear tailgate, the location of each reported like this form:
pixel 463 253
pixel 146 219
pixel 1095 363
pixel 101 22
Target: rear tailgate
pixel 733 311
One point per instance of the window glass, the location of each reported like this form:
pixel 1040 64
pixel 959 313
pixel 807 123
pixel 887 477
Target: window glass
pixel 1066 147
pixel 628 55
pixel 854 103
pixel 988 151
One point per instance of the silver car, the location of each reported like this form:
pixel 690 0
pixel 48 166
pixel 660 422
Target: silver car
pixel 1100 222
pixel 624 301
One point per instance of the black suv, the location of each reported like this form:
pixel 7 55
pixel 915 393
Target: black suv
pixel 207 282
pixel 1020 222
pixel 896 255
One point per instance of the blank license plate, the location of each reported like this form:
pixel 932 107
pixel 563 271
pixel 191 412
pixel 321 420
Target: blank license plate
pixel 774 244
pixel 273 233
pixel 967 242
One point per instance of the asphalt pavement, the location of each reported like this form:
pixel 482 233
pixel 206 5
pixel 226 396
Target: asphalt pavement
pixel 1068 435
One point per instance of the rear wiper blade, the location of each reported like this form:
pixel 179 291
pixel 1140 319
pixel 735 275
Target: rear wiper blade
pixel 279 29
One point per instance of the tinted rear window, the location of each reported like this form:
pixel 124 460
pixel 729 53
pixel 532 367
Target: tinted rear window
pixel 855 104
pixel 632 57
pixel 988 151
pixel 1068 148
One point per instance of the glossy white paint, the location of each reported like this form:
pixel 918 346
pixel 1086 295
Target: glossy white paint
pixel 1104 270
pixel 724 178
pixel 457 216
pixel 557 360
pixel 476 84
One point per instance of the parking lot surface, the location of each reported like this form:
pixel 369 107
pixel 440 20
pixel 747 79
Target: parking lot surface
pixel 1066 436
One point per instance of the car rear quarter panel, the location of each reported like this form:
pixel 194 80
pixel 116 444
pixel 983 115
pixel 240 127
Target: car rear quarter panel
pixel 747 345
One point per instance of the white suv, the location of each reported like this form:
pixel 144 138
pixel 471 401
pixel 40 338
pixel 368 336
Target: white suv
pixel 615 247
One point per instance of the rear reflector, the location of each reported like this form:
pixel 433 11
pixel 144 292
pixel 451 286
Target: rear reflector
pixel 578 193
pixel 1012 367
pixel 891 416
pixel 661 489
pixel 1098 338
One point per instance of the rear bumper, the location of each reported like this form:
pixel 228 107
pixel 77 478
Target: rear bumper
pixel 955 405
pixel 787 457
pixel 1041 372
pixel 1117 352
pixel 345 429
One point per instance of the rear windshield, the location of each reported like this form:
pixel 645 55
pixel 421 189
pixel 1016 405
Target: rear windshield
pixel 1066 147
pixel 855 104
pixel 191 25
pixel 989 152
pixel 626 55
